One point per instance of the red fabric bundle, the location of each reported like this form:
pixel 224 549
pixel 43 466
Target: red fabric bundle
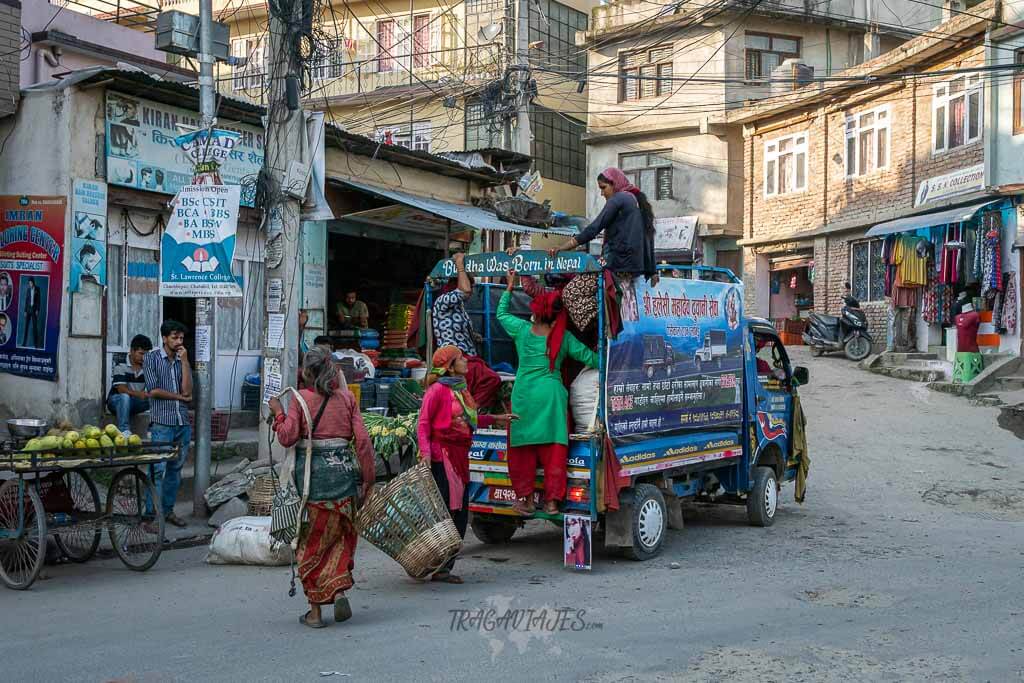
pixel 547 307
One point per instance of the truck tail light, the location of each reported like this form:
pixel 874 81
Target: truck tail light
pixel 577 494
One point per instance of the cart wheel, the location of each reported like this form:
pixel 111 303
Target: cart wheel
pixel 79 543
pixel 137 536
pixel 22 545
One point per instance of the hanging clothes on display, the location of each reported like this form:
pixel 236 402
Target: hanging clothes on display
pixel 1008 320
pixel 991 266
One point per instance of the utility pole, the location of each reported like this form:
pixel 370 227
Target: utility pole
pixel 285 130
pixel 522 138
pixel 205 306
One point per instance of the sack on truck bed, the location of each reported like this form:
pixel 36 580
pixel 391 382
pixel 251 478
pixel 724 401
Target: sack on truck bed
pixel 247 540
pixel 583 400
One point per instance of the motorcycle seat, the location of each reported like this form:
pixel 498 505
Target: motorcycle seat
pixel 825 319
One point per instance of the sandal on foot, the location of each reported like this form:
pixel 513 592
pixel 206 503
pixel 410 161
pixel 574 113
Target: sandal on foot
pixel 446 577
pixel 342 610
pixel 551 508
pixel 306 621
pixel 521 508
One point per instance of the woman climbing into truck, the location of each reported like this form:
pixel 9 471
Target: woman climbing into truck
pixel 539 396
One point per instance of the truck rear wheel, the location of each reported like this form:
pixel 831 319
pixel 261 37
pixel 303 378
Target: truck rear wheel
pixel 492 531
pixel 650 519
pixel 763 499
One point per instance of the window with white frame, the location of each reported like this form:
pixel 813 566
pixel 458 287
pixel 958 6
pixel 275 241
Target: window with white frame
pixel 867 141
pixel 785 165
pixel 867 270
pixel 250 75
pixel 957 112
pixel 399 135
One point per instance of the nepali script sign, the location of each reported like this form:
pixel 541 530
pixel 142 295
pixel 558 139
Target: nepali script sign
pixel 197 248
pixel 535 262
pixel 143 149
pixel 677 364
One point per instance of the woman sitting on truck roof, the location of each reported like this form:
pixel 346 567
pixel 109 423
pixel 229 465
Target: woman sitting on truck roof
pixel 627 222
pixel 539 397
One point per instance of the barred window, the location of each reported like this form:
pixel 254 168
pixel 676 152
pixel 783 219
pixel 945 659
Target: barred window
pixel 557 146
pixel 867 270
pixel 650 171
pixel 555 25
pixel 482 131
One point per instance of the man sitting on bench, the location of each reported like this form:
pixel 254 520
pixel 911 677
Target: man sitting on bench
pixel 128 394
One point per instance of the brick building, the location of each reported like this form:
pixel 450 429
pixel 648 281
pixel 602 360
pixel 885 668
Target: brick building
pixel 897 144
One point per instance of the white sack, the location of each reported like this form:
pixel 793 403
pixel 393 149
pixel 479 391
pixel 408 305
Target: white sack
pixel 247 540
pixel 583 399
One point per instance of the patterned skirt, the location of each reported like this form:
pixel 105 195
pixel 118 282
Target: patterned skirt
pixel 326 550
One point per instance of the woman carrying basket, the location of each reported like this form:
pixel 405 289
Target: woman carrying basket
pixel 342 474
pixel 538 394
pixel 448 418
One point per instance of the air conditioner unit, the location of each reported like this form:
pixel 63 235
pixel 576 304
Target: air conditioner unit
pixel 790 75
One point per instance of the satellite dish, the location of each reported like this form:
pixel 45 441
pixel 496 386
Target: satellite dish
pixel 488 33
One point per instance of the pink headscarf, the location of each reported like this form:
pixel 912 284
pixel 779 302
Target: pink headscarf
pixel 619 181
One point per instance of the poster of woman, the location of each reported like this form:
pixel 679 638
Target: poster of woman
pixel 577 541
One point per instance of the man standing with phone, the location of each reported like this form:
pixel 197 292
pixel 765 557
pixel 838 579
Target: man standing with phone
pixel 169 383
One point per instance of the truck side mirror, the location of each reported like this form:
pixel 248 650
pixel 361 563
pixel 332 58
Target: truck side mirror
pixel 801 375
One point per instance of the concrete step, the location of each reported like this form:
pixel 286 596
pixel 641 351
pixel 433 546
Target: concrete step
pixel 912 373
pixel 902 358
pixel 1008 383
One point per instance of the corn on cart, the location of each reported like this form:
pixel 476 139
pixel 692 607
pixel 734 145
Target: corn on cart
pixel 55 493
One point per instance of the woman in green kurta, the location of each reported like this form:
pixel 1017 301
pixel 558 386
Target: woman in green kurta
pixel 539 397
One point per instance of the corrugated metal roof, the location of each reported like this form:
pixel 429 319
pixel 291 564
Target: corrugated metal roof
pixel 151 87
pixel 470 216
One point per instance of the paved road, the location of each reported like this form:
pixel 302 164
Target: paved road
pixel 905 563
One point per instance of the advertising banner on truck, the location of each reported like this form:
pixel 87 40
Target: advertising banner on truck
pixel 677 364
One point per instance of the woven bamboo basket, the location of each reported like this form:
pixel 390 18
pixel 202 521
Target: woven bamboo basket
pixel 261 496
pixel 408 520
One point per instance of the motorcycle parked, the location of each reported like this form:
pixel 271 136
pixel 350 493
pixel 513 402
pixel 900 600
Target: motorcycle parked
pixel 848 332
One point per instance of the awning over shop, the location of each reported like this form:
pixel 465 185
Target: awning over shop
pixel 929 220
pixel 790 262
pixel 461 215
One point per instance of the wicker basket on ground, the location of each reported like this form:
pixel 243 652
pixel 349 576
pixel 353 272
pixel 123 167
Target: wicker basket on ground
pixel 261 496
pixel 408 520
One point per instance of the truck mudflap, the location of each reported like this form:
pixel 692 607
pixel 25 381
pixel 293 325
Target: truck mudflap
pixel 490 488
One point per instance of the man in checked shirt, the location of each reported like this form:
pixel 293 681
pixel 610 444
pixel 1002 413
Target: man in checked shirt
pixel 169 383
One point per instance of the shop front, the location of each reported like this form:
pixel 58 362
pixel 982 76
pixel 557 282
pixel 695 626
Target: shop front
pixel 791 298
pixel 933 267
pixel 378 253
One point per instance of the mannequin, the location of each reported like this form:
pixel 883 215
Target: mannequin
pixel 968 362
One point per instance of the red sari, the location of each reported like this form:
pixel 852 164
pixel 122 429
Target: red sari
pixel 327 542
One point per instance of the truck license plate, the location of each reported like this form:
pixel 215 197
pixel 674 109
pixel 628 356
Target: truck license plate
pixel 506 495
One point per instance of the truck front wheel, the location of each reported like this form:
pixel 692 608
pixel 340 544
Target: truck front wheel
pixel 650 519
pixel 492 531
pixel 763 499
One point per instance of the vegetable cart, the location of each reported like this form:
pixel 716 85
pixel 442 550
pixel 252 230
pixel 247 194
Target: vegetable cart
pixel 56 493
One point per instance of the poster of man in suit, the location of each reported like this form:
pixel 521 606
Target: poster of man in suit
pixel 32 284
